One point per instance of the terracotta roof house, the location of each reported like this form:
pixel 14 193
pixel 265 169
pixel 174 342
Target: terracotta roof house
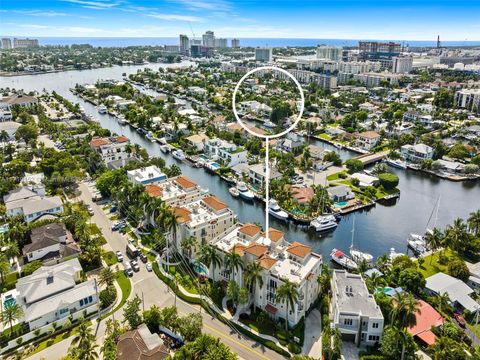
pixel 214 203
pixel 427 318
pixel 299 250
pixel 185 182
pixel 302 195
pixel 141 344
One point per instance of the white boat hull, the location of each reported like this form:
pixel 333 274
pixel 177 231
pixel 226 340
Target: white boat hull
pixel 280 215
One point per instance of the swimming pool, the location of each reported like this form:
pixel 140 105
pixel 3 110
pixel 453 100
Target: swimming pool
pixel 199 269
pixel 215 166
pixel 3 229
pixel 9 301
pixel 340 204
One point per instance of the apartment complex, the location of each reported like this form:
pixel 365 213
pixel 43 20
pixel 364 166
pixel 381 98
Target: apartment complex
pixel 229 153
pixel 24 43
pixel 208 39
pixel 280 261
pixel 354 310
pixel 402 64
pixel 329 52
pixel 6 43
pixel 468 99
pixel 235 43
pixel 263 54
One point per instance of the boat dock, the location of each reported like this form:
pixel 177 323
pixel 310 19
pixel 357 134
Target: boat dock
pixel 367 159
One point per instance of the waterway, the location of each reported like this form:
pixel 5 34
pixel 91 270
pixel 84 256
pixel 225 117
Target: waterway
pixel 376 230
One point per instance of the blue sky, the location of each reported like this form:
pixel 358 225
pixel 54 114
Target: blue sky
pixel 334 19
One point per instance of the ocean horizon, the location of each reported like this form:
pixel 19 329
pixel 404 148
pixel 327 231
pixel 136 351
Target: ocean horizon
pixel 246 42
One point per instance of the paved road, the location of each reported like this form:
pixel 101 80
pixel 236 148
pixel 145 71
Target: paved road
pixel 154 291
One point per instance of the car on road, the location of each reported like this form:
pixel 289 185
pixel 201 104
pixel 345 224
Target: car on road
pixel 90 210
pixel 118 226
pixel 113 209
pixel 135 266
pixel 119 256
pixel 459 319
pixel 143 257
pixel 128 270
pixel 148 266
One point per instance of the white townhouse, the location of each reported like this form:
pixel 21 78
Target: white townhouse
pixel 416 153
pixel 111 149
pixel 368 139
pixel 230 154
pixel 280 261
pixel 146 175
pixel 53 293
pixel 354 310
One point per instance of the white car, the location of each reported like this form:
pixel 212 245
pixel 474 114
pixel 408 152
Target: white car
pixel 148 266
pixel 119 256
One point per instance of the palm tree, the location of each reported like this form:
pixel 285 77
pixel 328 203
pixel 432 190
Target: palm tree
pixel 4 136
pixel 456 235
pixel 254 277
pixel 233 262
pixel 83 345
pixel 382 262
pixel 474 223
pixel 187 245
pixel 107 277
pixel 288 294
pixel 4 266
pixel 434 240
pixel 363 266
pixel 210 257
pixel 404 313
pixel 10 314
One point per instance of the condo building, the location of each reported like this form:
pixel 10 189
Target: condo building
pixel 263 54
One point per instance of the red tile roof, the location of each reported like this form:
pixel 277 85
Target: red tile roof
pixel 266 261
pixel 97 142
pixel 250 229
pixel 214 203
pixel 302 195
pixel 428 337
pixel 122 139
pixel 299 249
pixel 153 190
pixel 256 249
pixel 274 234
pixel 182 214
pixel 184 182
pixel 427 317
pixel 271 309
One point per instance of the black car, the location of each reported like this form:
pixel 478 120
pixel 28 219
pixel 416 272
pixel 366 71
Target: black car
pixel 143 258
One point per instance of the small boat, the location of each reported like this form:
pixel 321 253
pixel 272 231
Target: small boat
pixel 393 254
pixel 399 164
pixel 359 256
pixel 141 131
pixel 244 192
pixel 90 118
pixel 102 109
pixel 234 191
pixel 276 211
pixel 121 119
pixel 324 222
pixel 150 136
pixel 178 154
pixel 165 149
pixel 268 124
pixel 343 260
pixel 337 145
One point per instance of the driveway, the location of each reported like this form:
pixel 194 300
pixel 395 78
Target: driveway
pixel 312 346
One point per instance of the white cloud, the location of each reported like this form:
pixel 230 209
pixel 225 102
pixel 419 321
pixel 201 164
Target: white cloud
pixel 175 17
pixel 95 5
pixel 219 5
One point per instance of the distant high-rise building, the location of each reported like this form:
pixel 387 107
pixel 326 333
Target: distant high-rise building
pixel 329 52
pixel 379 51
pixel 195 42
pixel 402 64
pixel 201 51
pixel 235 43
pixel 220 43
pixel 208 39
pixel 263 54
pixel 24 43
pixel 184 44
pixel 6 43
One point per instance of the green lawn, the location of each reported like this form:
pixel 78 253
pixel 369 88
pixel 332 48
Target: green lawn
pixel 431 266
pixel 126 286
pixel 335 176
pixel 110 258
pixel 93 229
pixel 42 345
pixel 262 327
pixel 324 136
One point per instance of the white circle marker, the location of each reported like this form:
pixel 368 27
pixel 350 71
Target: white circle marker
pixel 300 113
pixel 268 137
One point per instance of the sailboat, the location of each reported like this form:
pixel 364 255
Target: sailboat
pixel 343 260
pixel 357 255
pixel 418 243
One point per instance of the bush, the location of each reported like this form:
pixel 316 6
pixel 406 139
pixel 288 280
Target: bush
pixel 107 296
pixel 294 348
pixel 355 182
pixel 457 268
pixel 388 180
pixel 354 165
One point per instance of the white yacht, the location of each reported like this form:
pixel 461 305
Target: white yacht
pixel 244 192
pixel 393 254
pixel 276 211
pixel 165 148
pixel 343 260
pixel 268 124
pixel 102 109
pixel 178 154
pixel 324 222
pixel 234 191
pixel 150 136
pixel 417 243
pixel 399 164
pixel 121 119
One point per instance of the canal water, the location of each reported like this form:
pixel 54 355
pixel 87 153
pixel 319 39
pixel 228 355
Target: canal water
pixel 376 230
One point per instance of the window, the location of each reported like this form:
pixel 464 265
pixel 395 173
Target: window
pixel 90 299
pixel 375 325
pixel 81 302
pixel 348 322
pixel 373 337
pixel 63 311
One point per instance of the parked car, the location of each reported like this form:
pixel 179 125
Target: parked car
pixel 148 266
pixel 90 210
pixel 128 269
pixel 113 209
pixel 143 257
pixel 119 256
pixel 135 266
pixel 459 319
